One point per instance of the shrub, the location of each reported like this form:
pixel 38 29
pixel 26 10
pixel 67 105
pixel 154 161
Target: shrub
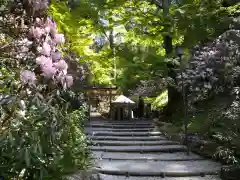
pixel 41 133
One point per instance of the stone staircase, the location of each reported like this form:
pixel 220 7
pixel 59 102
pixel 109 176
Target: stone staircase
pixel 135 151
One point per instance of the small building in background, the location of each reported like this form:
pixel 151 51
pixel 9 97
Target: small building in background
pixel 122 108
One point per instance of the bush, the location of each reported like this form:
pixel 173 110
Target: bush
pixel 42 141
pixel 41 133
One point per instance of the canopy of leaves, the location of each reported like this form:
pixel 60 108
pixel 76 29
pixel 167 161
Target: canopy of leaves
pixel 135 29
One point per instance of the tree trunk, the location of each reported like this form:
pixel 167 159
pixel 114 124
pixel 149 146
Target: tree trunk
pixel 174 97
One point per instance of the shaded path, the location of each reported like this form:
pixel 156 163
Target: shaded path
pixel 134 151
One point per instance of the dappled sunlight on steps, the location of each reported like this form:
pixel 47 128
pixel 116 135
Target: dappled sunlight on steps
pixel 135 151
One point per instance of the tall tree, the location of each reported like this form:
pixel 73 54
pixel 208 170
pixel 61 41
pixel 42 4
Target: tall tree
pixel 142 26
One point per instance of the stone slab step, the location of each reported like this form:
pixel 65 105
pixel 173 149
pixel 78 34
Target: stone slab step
pixel 177 156
pixel 106 133
pixel 89 129
pixel 130 143
pixel 159 168
pixel 159 148
pixel 112 177
pixel 122 126
pixel 126 138
pixel 120 122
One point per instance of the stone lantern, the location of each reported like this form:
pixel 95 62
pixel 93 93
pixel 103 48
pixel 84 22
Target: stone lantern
pixel 121 106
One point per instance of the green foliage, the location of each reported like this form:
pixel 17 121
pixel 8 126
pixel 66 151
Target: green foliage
pixel 5 78
pixel 80 26
pixel 138 29
pixel 199 20
pixel 161 101
pixel 41 133
pixel 226 155
pixel 76 28
pixel 149 99
pixel 42 141
pixel 4 5
pixel 214 120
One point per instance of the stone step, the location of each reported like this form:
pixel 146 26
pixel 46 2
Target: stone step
pixel 122 177
pixel 177 156
pixel 120 122
pixel 159 168
pixel 121 126
pixel 158 148
pixel 106 133
pixel 130 143
pixel 126 138
pixel 89 129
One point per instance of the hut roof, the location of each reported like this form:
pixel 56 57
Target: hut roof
pixel 124 100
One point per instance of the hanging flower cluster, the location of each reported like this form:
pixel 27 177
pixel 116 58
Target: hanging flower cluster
pixel 43 33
